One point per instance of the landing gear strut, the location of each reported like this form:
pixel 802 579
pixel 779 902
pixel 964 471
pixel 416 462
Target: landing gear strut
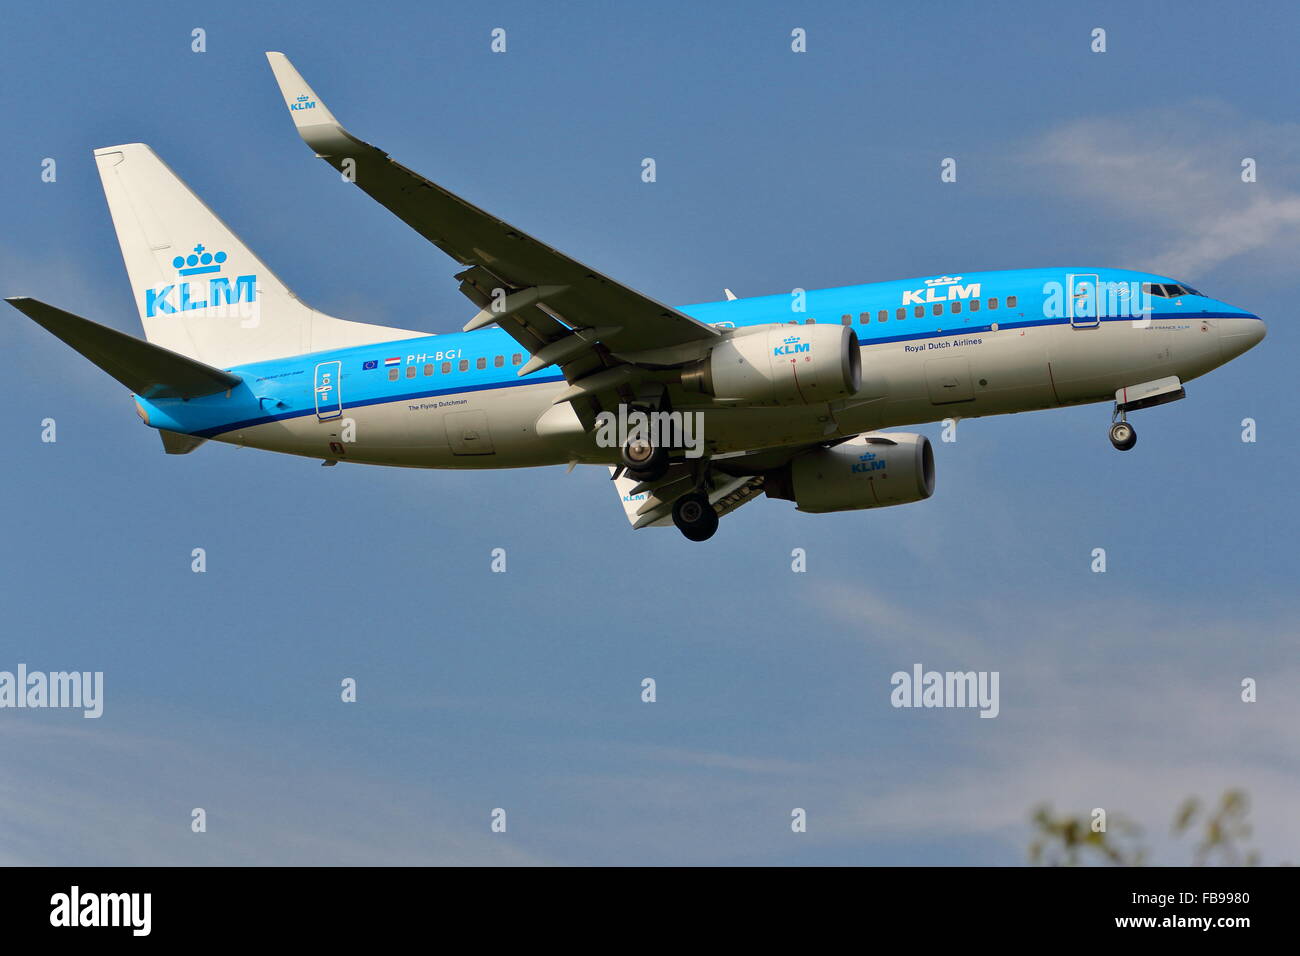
pixel 694 516
pixel 1122 435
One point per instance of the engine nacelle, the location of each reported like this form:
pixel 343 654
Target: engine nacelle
pixel 782 365
pixel 870 471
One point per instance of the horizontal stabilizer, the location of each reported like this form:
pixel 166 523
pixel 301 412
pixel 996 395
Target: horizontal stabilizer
pixel 150 371
pixel 174 443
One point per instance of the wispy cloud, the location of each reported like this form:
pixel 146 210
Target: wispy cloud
pixel 1127 705
pixel 1174 177
pixel 100 797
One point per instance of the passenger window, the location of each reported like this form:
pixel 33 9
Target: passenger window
pixel 974 305
pixel 446 368
pixel 498 361
pixel 938 308
pixel 517 359
pixel 1011 302
pixel 993 303
pixel 481 363
pixel 882 315
pixel 428 370
pixel 919 311
pixel 809 322
pixel 956 307
pixel 410 371
pixel 464 365
pixel 392 375
pixel 864 318
pixel 846 320
pixel 901 314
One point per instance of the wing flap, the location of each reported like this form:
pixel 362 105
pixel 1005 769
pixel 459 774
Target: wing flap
pixel 651 505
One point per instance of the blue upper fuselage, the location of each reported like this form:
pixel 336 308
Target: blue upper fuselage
pixel 879 312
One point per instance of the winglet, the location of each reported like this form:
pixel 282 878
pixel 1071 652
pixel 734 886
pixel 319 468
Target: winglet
pixel 312 118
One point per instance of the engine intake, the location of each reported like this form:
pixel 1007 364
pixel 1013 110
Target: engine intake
pixel 782 365
pixel 870 471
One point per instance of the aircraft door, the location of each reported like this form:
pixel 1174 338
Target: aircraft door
pixel 329 394
pixel 1083 301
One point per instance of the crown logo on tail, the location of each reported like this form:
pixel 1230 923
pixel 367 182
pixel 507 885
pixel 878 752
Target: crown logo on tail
pixel 199 262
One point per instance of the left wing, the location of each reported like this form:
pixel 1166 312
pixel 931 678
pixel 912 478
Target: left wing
pixel 563 312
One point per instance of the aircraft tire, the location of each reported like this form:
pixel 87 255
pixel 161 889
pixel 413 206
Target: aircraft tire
pixel 1123 436
pixel 695 517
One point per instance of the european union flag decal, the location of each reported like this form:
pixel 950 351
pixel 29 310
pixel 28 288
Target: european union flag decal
pixel 371 364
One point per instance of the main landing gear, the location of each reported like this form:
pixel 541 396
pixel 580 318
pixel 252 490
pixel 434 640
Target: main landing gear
pixel 646 462
pixel 643 461
pixel 692 512
pixel 694 516
pixel 1122 435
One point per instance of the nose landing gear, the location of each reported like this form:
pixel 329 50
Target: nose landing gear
pixel 1160 391
pixel 1122 435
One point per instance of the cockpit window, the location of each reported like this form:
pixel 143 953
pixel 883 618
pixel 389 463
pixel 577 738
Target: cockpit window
pixel 1168 290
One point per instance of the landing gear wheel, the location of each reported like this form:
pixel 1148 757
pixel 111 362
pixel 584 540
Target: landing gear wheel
pixel 695 517
pixel 643 461
pixel 1122 436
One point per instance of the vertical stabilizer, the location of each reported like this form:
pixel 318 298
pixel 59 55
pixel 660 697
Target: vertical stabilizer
pixel 200 291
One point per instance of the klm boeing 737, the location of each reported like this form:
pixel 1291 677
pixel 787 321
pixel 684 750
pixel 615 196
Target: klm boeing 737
pixel 695 410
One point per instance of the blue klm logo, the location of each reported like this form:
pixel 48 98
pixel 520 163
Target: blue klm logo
pixel 868 462
pixel 181 296
pixel 303 103
pixel 792 346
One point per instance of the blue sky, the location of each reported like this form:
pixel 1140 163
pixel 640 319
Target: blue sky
pixel 522 690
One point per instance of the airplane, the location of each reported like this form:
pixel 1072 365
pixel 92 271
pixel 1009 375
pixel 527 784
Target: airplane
pixel 789 394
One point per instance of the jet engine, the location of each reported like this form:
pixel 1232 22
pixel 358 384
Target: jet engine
pixel 781 365
pixel 870 471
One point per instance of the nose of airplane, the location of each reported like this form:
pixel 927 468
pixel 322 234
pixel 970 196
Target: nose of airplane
pixel 1238 335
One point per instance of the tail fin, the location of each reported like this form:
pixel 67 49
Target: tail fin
pixel 200 291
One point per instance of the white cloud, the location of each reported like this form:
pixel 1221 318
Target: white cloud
pixel 1126 705
pixel 1174 175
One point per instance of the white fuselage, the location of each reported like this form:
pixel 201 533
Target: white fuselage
pixel 962 375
